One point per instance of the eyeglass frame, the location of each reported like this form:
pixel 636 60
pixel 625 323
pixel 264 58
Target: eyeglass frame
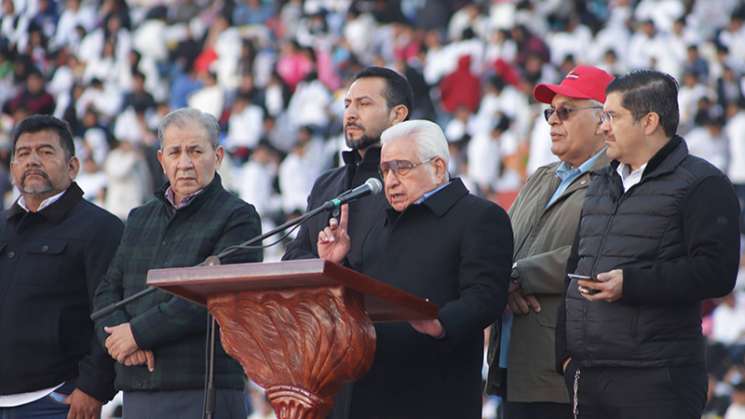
pixel 397 170
pixel 565 110
pixel 606 116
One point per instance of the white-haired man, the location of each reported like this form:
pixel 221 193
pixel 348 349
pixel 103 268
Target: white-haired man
pixel 439 242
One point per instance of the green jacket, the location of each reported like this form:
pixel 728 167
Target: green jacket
pixel 543 241
pixel 158 236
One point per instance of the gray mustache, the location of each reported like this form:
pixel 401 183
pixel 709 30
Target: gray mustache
pixel 33 172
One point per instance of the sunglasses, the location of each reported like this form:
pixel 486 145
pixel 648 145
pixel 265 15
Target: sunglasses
pixel 400 167
pixel 563 112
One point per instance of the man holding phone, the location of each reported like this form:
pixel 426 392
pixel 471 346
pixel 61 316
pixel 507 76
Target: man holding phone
pixel 659 233
pixel 584 278
pixel 544 221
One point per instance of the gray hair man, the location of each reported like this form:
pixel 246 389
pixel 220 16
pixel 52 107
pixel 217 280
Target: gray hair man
pixel 158 341
pixel 439 242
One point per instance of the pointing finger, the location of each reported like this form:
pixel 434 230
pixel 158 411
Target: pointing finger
pixel 344 218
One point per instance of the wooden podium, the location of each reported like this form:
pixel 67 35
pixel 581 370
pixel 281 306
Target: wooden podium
pixel 299 328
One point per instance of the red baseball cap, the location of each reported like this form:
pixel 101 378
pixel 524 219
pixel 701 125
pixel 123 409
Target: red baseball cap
pixel 583 82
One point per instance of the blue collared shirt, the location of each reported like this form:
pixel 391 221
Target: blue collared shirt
pixel 568 174
pixel 432 192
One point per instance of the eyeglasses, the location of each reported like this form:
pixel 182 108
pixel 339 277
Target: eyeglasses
pixel 606 117
pixel 563 112
pixel 400 167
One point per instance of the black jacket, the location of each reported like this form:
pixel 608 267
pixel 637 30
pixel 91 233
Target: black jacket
pixel 456 250
pixel 362 212
pixel 50 264
pixel 675 235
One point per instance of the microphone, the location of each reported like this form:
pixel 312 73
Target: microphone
pixel 371 186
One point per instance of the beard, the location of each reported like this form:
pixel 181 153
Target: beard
pixel 363 141
pixel 41 188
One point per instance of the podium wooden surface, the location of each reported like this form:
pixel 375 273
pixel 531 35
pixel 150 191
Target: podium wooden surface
pixel 300 329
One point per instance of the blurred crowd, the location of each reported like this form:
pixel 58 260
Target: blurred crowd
pixel 274 73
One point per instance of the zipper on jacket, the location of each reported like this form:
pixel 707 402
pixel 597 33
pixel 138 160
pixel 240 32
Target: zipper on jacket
pixel 575 398
pixel 608 226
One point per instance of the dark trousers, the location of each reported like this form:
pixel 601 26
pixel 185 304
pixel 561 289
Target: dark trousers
pixel 184 404
pixel 49 407
pixel 46 408
pixel 544 410
pixel 640 393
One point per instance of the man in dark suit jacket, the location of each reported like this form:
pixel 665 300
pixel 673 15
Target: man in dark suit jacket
pixel 377 98
pixel 439 242
pixel 54 249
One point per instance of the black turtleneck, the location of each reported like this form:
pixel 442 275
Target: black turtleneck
pixel 362 168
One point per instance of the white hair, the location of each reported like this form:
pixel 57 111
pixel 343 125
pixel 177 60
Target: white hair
pixel 429 139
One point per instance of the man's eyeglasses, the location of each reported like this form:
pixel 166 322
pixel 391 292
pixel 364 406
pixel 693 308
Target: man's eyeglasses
pixel 606 117
pixel 563 112
pixel 400 167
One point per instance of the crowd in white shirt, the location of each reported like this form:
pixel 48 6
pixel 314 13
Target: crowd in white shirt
pixel 274 73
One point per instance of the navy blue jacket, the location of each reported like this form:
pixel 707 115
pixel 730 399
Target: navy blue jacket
pixel 51 262
pixel 675 235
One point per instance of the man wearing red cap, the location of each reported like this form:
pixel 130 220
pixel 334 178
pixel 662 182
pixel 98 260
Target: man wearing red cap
pixel 544 218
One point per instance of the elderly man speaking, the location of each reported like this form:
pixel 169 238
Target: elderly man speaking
pixel 439 242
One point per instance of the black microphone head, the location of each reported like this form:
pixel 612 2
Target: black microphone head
pixel 375 185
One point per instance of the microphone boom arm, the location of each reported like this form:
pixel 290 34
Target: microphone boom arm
pixel 215 259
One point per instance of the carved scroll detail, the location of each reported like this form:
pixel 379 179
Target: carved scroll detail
pixel 300 345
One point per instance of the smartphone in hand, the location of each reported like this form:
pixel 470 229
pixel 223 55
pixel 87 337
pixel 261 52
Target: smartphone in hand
pixel 584 290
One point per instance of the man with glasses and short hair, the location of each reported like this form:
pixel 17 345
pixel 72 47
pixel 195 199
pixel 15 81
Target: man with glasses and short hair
pixel 377 98
pixel 659 233
pixel 544 219
pixel 437 241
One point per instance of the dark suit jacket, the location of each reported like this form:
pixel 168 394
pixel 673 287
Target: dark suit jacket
pixel 51 262
pixel 362 213
pixel 456 250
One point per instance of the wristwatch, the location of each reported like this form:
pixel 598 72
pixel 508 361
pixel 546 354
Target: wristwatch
pixel 515 274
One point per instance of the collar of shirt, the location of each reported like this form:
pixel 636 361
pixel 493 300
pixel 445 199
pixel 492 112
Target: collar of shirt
pixel 629 177
pixel 564 171
pixel 432 192
pixel 171 198
pixel 45 203
pixel 568 174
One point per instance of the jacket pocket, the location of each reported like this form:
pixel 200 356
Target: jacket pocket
pixel 52 262
pixel 549 310
pixel 47 247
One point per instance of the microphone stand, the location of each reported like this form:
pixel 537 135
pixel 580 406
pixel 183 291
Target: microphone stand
pixel 214 260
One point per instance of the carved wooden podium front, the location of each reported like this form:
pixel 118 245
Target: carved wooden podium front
pixel 299 328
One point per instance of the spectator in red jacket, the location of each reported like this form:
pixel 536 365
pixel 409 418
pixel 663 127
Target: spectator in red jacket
pixel 461 87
